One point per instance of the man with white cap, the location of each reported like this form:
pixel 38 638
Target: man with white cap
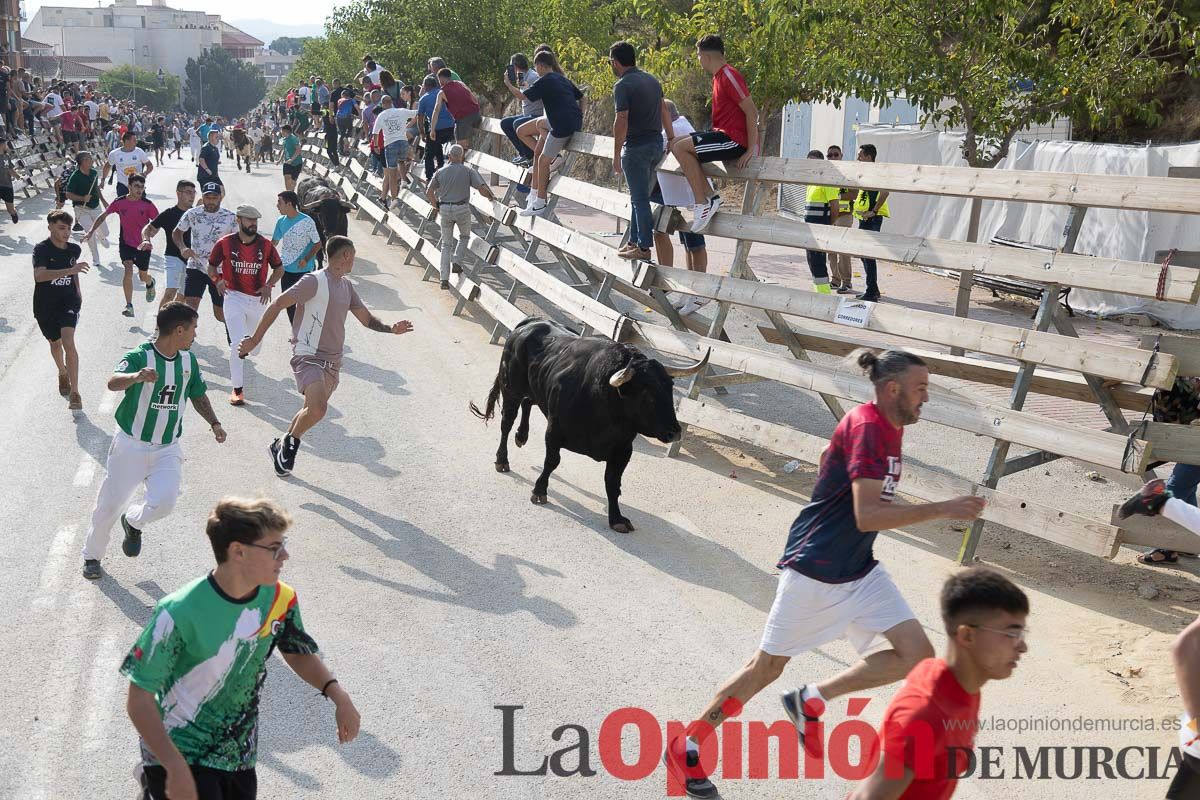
pixel 245 267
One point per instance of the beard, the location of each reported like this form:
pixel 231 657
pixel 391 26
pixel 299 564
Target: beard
pixel 251 231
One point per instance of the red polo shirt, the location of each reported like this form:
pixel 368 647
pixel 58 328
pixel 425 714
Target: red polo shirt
pixel 459 100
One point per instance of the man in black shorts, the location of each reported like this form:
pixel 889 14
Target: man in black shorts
pixel 208 161
pixel 207 222
pixel 158 139
pixel 7 175
pixel 57 299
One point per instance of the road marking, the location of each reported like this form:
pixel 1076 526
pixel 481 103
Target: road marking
pixel 50 585
pixel 85 473
pixel 108 402
pixel 103 687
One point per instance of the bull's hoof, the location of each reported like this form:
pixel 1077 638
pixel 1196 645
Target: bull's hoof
pixel 520 439
pixel 538 499
pixel 622 526
pixel 501 466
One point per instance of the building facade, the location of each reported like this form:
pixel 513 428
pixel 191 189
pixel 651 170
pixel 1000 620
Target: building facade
pixel 12 14
pixel 274 66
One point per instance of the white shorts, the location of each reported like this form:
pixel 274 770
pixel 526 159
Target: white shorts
pixel 174 269
pixel 808 613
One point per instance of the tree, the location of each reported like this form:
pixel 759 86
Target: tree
pixel 227 86
pixel 289 45
pixel 142 86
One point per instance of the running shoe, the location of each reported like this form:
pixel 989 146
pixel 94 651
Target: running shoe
pixel 13 216
pixel 131 545
pixel 276 450
pixel 1147 502
pixel 64 384
pixel 128 312
pixel 797 708
pixel 701 786
pixel 535 208
pixel 151 290
pixel 75 403
pixel 91 569
pixel 237 398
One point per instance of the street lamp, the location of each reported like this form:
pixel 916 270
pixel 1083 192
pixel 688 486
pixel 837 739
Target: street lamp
pixel 200 69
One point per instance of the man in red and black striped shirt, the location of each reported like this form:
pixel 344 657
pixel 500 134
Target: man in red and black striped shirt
pixel 245 267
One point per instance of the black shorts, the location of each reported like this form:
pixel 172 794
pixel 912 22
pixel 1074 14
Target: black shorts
pixel 194 284
pixel 140 258
pixel 53 318
pixel 6 194
pixel 292 170
pixel 70 136
pixel 211 784
pixel 1186 783
pixel 715 146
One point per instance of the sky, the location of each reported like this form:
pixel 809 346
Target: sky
pixel 282 11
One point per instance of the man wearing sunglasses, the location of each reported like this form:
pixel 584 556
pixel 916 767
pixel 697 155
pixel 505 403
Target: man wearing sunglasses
pixel 933 718
pixel 196 671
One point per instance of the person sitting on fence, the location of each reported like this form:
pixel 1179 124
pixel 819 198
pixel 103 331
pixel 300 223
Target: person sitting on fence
pixel 449 191
pixel 564 103
pixel 734 136
pixel 821 208
pixel 870 208
pixel 517 78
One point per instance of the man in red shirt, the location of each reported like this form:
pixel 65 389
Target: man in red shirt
pixel 734 136
pixel 245 267
pixel 933 718
pixel 461 103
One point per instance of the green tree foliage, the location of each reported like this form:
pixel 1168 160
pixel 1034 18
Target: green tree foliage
pixel 142 86
pixel 230 87
pixel 289 45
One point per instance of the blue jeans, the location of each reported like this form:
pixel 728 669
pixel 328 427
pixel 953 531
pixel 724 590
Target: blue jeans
pixel 638 162
pixel 509 125
pixel 1183 481
pixel 872 224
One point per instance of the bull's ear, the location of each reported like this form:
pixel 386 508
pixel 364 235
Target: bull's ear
pixel 347 207
pixel 621 377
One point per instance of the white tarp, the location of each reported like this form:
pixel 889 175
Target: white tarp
pixel 1135 235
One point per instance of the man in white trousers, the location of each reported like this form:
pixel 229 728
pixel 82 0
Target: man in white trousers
pixel 245 267
pixel 158 378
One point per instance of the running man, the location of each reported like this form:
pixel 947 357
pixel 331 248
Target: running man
pixel 158 378
pixel 196 671
pixel 238 265
pixel 134 211
pixel 297 240
pixel 291 158
pixel 7 175
pixel 830 586
pixel 174 266
pixel 318 337
pixel 158 139
pixel 57 300
pixel 934 716
pixel 83 190
pixel 207 223
pixel 126 161
pixel 208 163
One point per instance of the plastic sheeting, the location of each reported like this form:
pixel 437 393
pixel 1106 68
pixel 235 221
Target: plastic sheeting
pixel 1135 235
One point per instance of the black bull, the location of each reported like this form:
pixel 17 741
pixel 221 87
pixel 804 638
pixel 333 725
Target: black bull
pixel 321 201
pixel 597 396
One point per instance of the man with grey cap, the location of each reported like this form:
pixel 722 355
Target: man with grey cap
pixel 245 267
pixel 449 191
pixel 208 222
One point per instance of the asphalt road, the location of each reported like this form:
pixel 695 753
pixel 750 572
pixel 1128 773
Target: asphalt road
pixel 436 591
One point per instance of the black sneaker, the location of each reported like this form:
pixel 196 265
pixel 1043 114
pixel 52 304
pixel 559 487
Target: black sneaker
pixel 1148 502
pixel 91 569
pixel 870 297
pixel 845 288
pixel 132 543
pixel 794 706
pixel 277 459
pixel 694 787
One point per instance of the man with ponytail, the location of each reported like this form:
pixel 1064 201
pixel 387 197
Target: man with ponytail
pixel 830 586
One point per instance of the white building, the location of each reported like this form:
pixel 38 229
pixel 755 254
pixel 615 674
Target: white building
pixel 153 36
pixel 274 65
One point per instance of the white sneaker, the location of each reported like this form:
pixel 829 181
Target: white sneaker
pixel 689 306
pixel 703 214
pixel 535 209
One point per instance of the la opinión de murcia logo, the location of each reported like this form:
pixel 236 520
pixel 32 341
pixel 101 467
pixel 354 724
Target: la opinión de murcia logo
pixel 850 751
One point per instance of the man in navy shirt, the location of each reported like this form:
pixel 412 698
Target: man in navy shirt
pixel 564 114
pixel 830 586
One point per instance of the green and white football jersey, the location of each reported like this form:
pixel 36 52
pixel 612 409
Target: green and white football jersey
pixel 154 412
pixel 203 656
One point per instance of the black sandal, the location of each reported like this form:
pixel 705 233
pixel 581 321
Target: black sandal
pixel 1167 557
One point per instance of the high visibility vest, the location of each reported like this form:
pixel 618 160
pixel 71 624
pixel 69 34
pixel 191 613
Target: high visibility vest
pixel 863 202
pixel 817 200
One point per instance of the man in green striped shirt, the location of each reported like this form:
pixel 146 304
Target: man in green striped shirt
pixel 158 379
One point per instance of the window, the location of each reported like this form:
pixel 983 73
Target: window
pixel 146 50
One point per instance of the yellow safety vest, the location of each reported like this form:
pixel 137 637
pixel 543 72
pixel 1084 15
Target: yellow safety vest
pixel 818 198
pixel 862 204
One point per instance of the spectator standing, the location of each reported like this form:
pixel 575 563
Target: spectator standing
pixel 820 208
pixel 438 63
pixel 517 78
pixel 564 118
pixel 392 125
pixel 637 141
pixel 322 96
pixel 463 105
pixel 870 209
pixel 839 263
pixel 734 136
pixel 449 191
pixel 437 130
pixel 329 126
pixel 389 86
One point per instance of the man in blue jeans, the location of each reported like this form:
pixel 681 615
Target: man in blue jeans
pixel 870 209
pixel 530 109
pixel 637 142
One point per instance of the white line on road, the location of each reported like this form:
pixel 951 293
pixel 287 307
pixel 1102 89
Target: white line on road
pixel 85 473
pixel 103 686
pixel 108 402
pixel 58 559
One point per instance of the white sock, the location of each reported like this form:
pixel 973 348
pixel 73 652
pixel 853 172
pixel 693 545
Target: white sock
pixel 1183 514
pixel 810 691
pixel 691 746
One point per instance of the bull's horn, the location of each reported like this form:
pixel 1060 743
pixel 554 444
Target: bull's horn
pixel 621 377
pixel 683 372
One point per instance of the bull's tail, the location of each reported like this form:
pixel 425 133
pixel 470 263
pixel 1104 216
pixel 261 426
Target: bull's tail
pixel 493 396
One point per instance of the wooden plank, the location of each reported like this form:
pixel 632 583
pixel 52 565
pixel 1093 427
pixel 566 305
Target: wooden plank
pixel 1127 364
pixel 610 201
pixel 944 407
pixel 1186 350
pixel 993 373
pixel 1102 274
pixel 575 303
pixel 1046 522
pixel 1139 531
pixel 496 166
pixel 1180 443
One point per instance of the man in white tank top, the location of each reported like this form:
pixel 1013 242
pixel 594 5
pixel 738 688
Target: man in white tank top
pixel 323 299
